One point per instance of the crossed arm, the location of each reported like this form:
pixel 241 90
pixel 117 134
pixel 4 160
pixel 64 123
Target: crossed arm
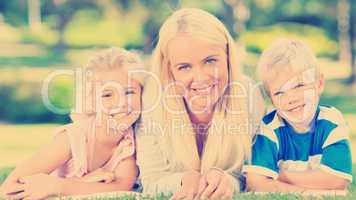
pixel 296 182
pixel 32 175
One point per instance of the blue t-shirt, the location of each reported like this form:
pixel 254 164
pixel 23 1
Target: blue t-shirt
pixel 278 146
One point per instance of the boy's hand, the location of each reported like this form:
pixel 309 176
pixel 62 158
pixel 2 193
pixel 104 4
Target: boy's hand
pixel 190 184
pixel 216 185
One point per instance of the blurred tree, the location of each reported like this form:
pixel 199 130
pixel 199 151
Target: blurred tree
pixel 34 14
pixel 352 79
pixel 64 10
pixel 239 15
pixel 157 10
pixel 14 12
pixel 343 20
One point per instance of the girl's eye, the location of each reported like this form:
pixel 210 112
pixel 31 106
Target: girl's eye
pixel 129 92
pixel 183 67
pixel 210 61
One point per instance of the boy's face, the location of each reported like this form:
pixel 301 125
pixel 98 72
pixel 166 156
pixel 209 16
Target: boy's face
pixel 296 94
pixel 120 98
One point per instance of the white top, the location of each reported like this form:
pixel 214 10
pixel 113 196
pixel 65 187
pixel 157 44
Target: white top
pixel 156 172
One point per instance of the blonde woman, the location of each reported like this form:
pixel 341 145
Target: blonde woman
pixel 196 137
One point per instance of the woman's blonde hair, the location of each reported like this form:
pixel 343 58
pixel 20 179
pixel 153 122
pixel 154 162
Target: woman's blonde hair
pixel 228 143
pixel 110 59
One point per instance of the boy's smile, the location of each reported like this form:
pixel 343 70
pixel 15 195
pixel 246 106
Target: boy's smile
pixel 296 94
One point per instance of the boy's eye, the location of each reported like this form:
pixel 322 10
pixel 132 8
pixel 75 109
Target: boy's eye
pixel 210 61
pixel 300 85
pixel 183 67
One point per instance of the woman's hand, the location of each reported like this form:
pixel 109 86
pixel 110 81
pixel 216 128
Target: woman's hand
pixel 190 184
pixel 216 184
pixel 99 175
pixel 38 186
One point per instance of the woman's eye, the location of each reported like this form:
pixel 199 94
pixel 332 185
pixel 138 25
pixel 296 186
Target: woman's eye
pixel 183 67
pixel 210 61
pixel 277 93
pixel 129 92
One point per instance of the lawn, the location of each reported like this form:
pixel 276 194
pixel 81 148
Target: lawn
pixel 18 142
pixel 350 196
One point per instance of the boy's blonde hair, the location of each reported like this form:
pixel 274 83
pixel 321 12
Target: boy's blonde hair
pixel 109 59
pixel 227 148
pixel 285 55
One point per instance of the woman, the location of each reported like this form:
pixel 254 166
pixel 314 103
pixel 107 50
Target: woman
pixel 195 139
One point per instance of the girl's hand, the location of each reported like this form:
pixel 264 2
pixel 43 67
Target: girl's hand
pixel 216 184
pixel 190 184
pixel 38 186
pixel 99 175
pixel 10 188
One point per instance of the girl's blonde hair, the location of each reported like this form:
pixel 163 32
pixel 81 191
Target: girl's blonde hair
pixel 285 55
pixel 225 147
pixel 109 59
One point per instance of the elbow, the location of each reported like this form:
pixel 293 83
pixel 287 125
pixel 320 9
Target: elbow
pixel 340 184
pixel 254 182
pixel 147 186
pixel 250 183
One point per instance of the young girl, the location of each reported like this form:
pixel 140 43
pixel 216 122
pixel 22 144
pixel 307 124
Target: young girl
pixel 95 153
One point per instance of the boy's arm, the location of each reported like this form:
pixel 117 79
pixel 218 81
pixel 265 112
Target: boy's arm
pixel 314 179
pixel 260 183
pixel 333 173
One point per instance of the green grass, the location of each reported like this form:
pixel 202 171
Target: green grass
pixel 352 193
pixel 50 59
pixel 20 141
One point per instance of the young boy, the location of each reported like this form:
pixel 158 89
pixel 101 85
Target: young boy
pixel 302 146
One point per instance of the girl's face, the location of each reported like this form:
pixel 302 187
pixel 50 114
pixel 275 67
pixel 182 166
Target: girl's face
pixel 120 98
pixel 199 69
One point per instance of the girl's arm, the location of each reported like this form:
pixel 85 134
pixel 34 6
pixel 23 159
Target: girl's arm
pixel 314 179
pixel 125 176
pixel 260 183
pixel 45 161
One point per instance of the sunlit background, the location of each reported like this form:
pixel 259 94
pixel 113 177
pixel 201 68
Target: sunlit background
pixel 40 36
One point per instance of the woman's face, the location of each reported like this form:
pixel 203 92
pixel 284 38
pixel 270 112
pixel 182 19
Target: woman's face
pixel 199 69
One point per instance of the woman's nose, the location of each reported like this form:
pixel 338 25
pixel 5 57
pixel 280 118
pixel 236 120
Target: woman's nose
pixel 199 74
